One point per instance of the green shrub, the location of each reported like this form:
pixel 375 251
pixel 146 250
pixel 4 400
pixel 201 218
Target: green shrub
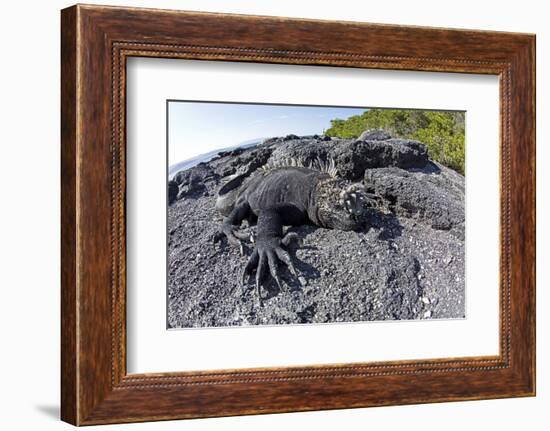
pixel 441 131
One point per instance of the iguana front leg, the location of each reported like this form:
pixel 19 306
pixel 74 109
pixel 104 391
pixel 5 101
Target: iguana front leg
pixel 231 223
pixel 269 251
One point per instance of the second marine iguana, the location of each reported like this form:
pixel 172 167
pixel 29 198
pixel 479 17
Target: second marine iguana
pixel 288 196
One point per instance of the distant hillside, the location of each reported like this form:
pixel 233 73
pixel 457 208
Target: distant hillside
pixel 441 131
pixel 189 163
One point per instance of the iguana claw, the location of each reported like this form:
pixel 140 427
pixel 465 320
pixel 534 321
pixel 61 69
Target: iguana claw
pixel 266 256
pixel 234 237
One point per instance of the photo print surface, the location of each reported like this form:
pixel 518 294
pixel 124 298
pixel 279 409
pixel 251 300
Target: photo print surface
pixel 290 214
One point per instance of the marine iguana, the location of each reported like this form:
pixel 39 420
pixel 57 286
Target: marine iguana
pixel 288 196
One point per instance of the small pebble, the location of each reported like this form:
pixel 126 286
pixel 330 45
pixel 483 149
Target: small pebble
pixel 427 314
pixel 425 300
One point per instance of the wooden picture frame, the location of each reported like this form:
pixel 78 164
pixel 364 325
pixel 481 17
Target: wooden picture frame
pixel 95 43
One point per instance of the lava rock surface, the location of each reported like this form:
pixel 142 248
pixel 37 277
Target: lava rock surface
pixel 407 264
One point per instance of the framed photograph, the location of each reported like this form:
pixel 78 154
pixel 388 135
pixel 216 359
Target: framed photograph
pixel 264 214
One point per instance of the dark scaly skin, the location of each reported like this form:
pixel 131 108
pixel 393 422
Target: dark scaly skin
pixel 290 196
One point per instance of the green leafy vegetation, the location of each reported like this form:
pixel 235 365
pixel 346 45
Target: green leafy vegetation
pixel 441 131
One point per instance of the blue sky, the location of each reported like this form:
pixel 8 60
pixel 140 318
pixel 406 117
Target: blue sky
pixel 197 127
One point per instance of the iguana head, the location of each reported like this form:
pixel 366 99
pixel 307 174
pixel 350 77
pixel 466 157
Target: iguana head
pixel 339 204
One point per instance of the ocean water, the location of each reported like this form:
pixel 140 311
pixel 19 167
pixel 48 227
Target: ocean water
pixel 193 161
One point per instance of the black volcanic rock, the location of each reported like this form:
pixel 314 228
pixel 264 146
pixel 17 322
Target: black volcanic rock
pixel 173 191
pixel 354 157
pixel 436 198
pixel 407 264
pixel 374 135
